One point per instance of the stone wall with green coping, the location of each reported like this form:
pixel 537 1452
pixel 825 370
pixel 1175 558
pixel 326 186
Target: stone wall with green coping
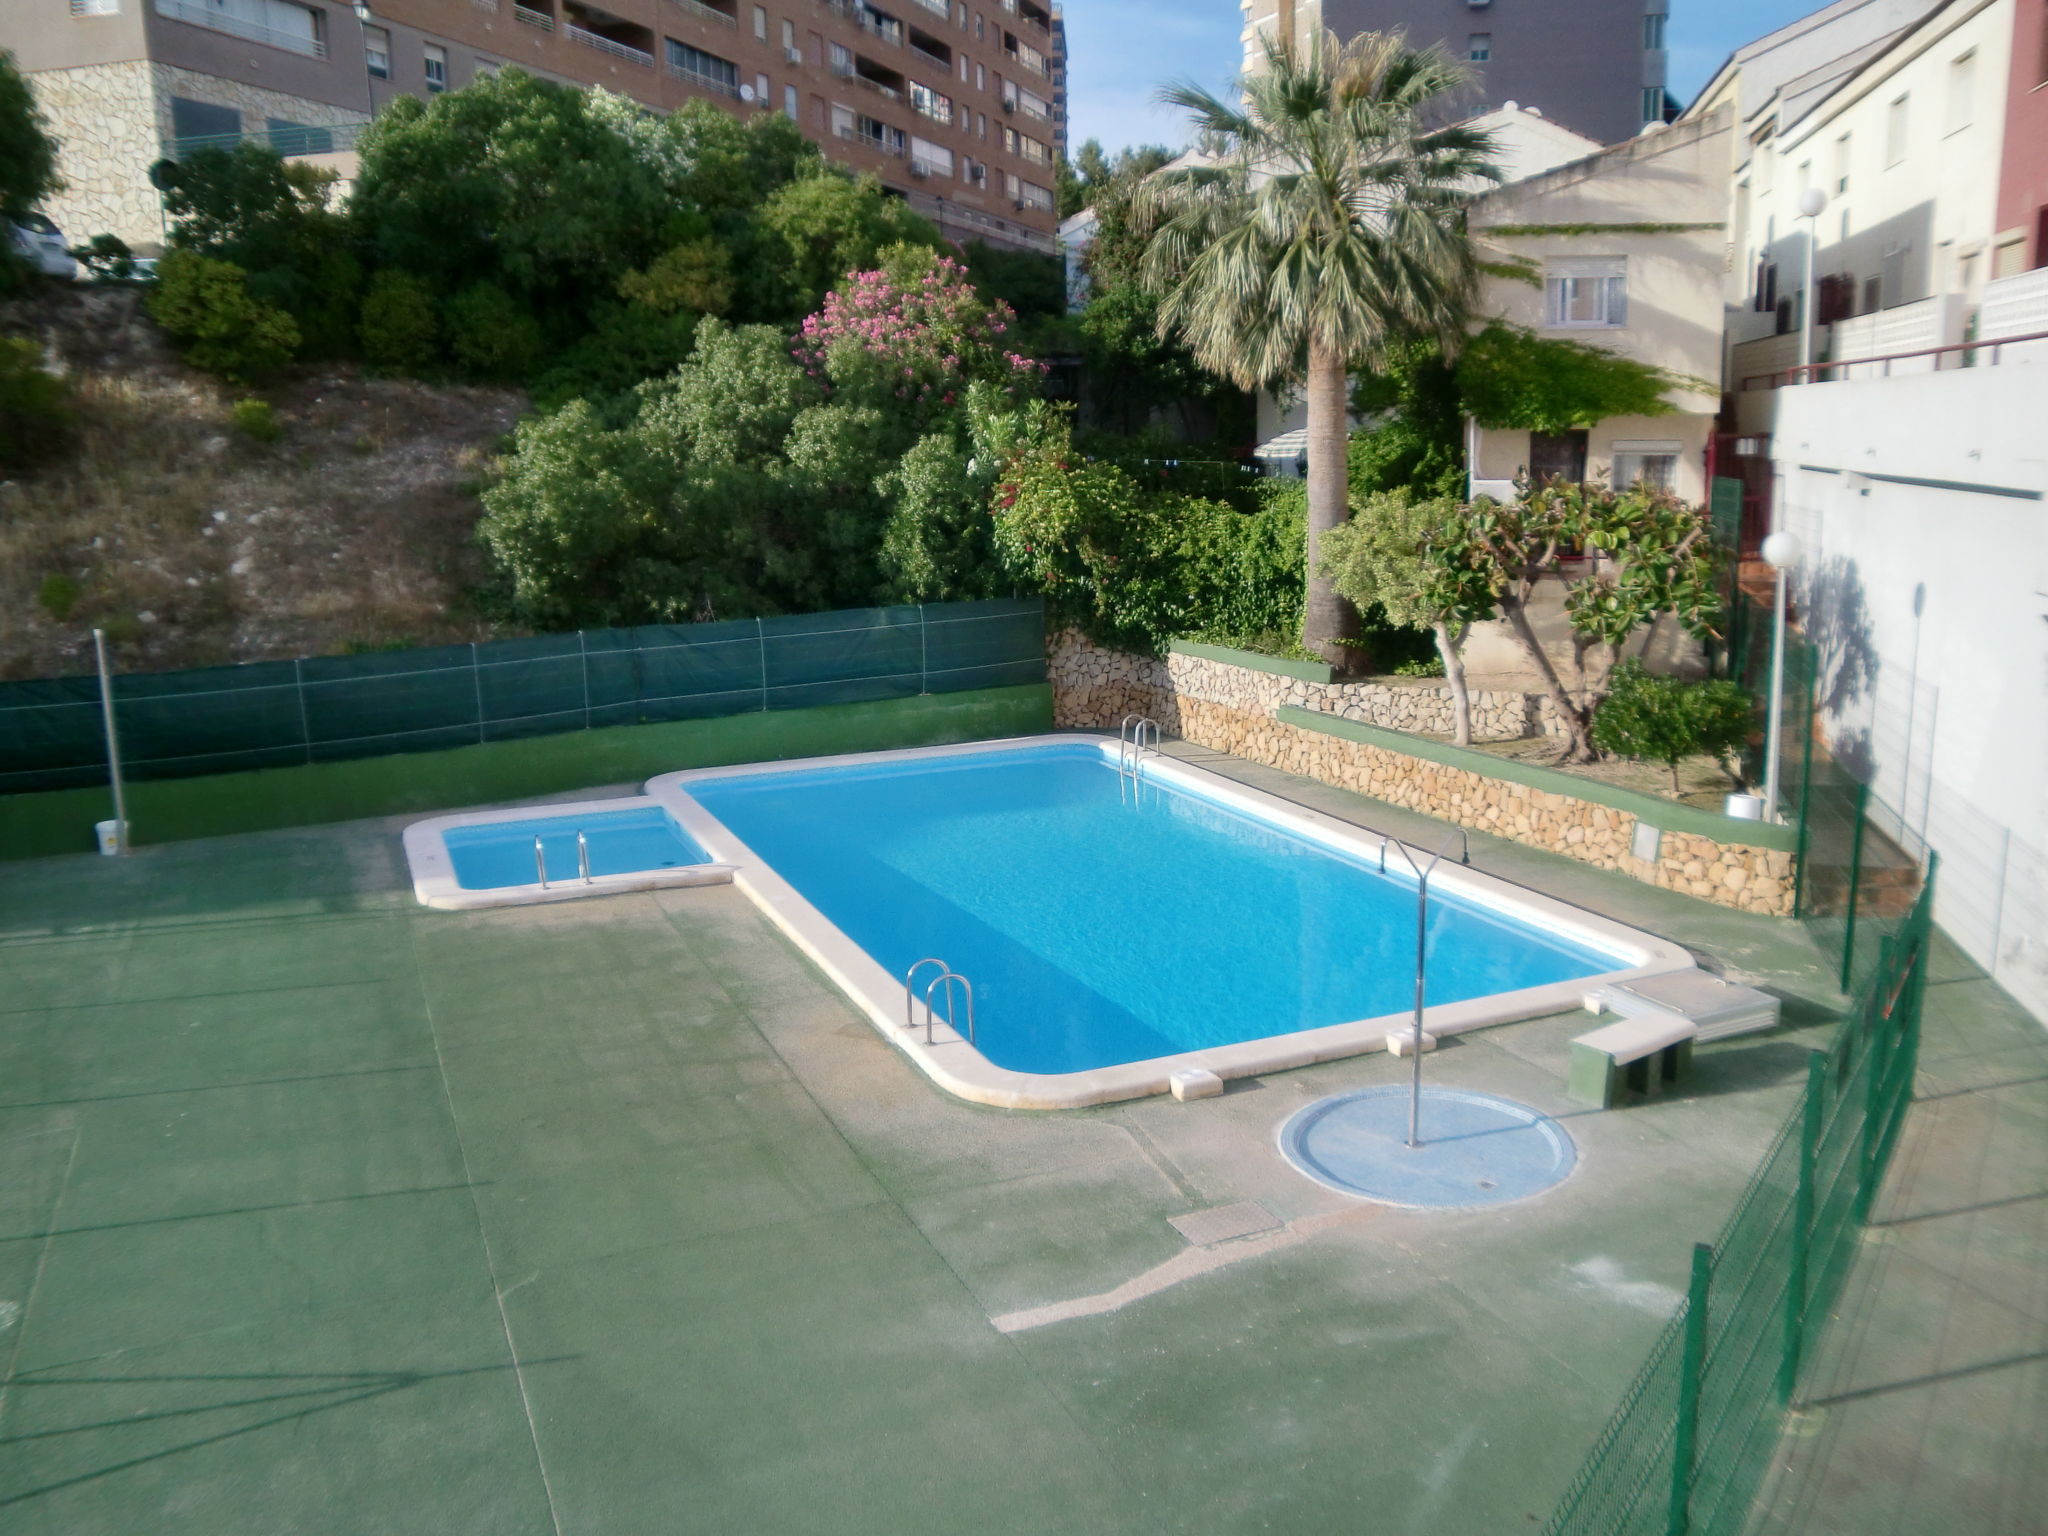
pixel 1338 733
pixel 168 810
pixel 1092 686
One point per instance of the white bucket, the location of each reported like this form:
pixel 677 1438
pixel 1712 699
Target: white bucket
pixel 109 833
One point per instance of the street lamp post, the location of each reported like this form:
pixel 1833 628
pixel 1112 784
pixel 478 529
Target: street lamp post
pixel 1783 552
pixel 1811 202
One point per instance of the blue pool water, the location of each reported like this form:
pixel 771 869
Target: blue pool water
pixel 1097 930
pixel 500 853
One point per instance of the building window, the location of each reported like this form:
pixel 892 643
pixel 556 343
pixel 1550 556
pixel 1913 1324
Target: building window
pixel 981 77
pixel 1653 103
pixel 790 108
pixel 95 7
pixel 930 103
pixel 1895 132
pixel 1652 466
pixel 1031 195
pixel 701 68
pixel 437 67
pixel 842 59
pixel 761 90
pixel 1479 47
pixel 484 69
pixel 761 22
pixel 788 37
pixel 929 158
pixel 1842 164
pixel 1962 91
pixel 377 51
pixel 201 121
pixel 1653 31
pixel 274 23
pixel 1586 293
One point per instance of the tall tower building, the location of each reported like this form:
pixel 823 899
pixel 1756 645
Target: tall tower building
pixel 1597 66
pixel 954 104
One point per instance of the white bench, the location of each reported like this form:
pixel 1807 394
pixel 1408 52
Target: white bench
pixel 1661 1019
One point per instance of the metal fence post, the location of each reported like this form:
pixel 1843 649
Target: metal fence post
pixel 113 735
pixel 1861 805
pixel 924 652
pixel 299 685
pixel 583 653
pixel 1691 1364
pixel 1877 1060
pixel 476 683
pixel 1802 1224
pixel 761 640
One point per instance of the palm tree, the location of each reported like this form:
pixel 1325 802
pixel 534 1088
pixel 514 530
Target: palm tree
pixel 1325 222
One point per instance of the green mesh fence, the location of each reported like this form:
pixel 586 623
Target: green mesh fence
pixel 281 713
pixel 1687 1449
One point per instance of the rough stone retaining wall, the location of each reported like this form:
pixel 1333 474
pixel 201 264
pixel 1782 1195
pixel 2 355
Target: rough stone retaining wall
pixel 1095 683
pixel 1093 688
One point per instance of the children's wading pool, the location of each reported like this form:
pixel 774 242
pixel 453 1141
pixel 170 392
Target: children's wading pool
pixel 1114 932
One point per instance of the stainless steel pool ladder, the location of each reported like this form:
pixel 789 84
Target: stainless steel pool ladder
pixel 1132 744
pixel 946 977
pixel 540 858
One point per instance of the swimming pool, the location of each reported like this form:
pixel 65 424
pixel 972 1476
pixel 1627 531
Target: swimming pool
pixel 487 858
pixel 1111 934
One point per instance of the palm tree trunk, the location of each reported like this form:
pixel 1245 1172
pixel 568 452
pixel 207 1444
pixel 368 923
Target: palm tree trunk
pixel 1327 619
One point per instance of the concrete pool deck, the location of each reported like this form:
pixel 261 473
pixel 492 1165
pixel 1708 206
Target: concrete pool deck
pixel 323 1212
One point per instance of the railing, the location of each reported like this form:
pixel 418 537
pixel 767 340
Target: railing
pixel 1808 372
pixel 532 18
pixel 485 5
pixel 307 139
pixel 872 141
pixel 604 44
pixel 710 82
pixel 1026 61
pixel 708 12
pixel 1695 1433
pixel 254 31
pixel 2015 304
pixel 95 7
pixel 890 32
pixel 875 85
pixel 936 7
pixel 937 58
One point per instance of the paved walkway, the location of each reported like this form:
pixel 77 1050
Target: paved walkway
pixel 320 1212
pixel 1928 1406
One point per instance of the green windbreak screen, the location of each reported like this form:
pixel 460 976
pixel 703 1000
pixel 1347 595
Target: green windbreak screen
pixel 277 713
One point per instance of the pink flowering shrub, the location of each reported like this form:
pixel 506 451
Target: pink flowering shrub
pixel 916 332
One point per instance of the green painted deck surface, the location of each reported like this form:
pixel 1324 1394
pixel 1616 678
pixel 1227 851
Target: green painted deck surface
pixel 320 1212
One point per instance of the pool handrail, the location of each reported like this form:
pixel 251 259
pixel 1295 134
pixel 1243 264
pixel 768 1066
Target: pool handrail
pixel 583 855
pixel 910 987
pixel 540 861
pixel 952 1021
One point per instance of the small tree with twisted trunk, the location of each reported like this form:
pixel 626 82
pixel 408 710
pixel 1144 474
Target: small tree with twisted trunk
pixel 1327 225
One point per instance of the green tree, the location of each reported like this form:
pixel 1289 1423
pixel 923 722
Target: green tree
pixel 205 306
pixel 1328 225
pixel 813 231
pixel 1665 719
pixel 399 328
pixel 514 181
pixel 272 218
pixel 491 336
pixel 1385 554
pixel 1656 557
pixel 28 154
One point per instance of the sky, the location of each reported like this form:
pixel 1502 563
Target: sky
pixel 1123 50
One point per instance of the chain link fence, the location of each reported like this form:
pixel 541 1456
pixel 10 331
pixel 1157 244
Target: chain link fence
pixel 320 709
pixel 1686 1451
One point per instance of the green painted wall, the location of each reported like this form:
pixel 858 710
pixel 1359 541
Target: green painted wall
pixel 167 810
pixel 1279 666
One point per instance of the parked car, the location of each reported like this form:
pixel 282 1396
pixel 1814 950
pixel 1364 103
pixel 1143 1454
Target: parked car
pixel 42 245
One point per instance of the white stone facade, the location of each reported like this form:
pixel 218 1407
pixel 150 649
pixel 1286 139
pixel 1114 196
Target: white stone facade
pixel 113 121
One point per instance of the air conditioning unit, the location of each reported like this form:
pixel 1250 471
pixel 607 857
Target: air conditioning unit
pixel 1009 106
pixel 918 171
pixel 1018 205
pixel 794 55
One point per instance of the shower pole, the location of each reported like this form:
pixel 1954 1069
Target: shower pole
pixel 99 647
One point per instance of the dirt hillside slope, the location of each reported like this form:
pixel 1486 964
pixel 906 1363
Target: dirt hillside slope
pixel 192 543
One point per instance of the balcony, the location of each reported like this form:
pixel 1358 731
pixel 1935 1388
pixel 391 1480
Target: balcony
pixel 878 77
pixel 703 79
pixel 1034 14
pixel 710 13
pixel 532 18
pixel 878 140
pixel 1024 56
pixel 927 46
pixel 308 43
pixel 604 44
pixel 875 24
pixel 938 8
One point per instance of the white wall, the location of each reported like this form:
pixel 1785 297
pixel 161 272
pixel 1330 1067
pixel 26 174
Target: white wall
pixel 1923 505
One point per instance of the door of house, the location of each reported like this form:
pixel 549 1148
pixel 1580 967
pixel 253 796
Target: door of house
pixel 1557 455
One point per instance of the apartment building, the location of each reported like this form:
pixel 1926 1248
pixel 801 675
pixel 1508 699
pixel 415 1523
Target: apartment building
pixel 957 105
pixel 1597 66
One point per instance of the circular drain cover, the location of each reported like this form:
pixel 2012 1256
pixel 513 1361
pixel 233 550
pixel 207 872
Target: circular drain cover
pixel 1476 1149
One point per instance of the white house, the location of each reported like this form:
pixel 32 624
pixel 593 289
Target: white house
pixel 1622 251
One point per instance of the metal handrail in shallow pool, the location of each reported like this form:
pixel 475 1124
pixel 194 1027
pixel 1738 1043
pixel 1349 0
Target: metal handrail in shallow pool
pixel 910 987
pixel 951 1021
pixel 1130 744
pixel 1464 848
